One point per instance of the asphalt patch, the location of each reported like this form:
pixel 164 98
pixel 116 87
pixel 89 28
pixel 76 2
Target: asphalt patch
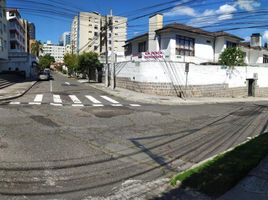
pixel 44 121
pixel 108 112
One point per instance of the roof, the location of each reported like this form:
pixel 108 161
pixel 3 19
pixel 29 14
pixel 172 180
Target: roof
pixel 198 30
pixel 222 33
pixel 191 29
pixel 185 28
pixel 137 37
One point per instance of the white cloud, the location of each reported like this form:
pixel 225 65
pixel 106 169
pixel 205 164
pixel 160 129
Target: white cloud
pixel 248 5
pixel 209 16
pixel 265 36
pixel 226 9
pixel 181 10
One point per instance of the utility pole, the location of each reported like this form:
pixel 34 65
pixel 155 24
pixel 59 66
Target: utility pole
pixel 106 52
pixel 112 53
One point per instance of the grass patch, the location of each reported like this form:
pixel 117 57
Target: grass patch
pixel 217 176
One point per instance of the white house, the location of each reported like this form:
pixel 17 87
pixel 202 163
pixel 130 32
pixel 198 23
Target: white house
pixel 156 63
pixel 179 42
pixel 256 54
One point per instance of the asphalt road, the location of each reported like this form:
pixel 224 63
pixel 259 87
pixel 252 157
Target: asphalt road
pixel 67 140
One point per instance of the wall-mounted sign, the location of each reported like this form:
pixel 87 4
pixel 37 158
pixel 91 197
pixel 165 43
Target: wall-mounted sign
pixel 153 54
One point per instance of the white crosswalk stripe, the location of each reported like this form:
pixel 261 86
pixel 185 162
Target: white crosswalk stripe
pixel 34 103
pixel 135 105
pixel 117 105
pixel 58 100
pixel 38 98
pixel 93 100
pixel 56 104
pixel 14 103
pixel 110 99
pixel 75 99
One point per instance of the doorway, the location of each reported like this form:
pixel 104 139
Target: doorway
pixel 251 87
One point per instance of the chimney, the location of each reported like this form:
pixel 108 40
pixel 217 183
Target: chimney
pixel 256 40
pixel 155 23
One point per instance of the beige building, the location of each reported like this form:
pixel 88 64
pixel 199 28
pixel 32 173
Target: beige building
pixel 89 29
pixel 3 32
pixel 25 25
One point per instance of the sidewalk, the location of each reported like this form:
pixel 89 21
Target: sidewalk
pixel 168 100
pixel 16 90
pixel 254 186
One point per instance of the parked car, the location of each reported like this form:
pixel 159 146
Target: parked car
pixel 47 70
pixel 43 76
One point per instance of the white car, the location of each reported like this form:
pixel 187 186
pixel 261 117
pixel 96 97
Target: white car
pixel 43 76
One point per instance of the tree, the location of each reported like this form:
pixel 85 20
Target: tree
pixel 232 57
pixel 45 61
pixel 36 48
pixel 88 63
pixel 71 61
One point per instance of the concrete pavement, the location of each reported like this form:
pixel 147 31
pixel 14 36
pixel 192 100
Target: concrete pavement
pixel 16 90
pixel 67 152
pixel 169 100
pixel 254 186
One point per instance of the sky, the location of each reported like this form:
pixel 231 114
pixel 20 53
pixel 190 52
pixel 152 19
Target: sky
pixel 53 17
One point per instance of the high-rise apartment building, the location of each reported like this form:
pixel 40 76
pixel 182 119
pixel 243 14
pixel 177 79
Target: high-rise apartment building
pixel 32 31
pixel 3 32
pixel 65 39
pixel 16 31
pixel 89 31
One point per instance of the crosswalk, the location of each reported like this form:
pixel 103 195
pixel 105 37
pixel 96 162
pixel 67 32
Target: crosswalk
pixel 72 100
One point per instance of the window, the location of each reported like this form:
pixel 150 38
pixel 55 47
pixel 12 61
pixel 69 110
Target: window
pixel 185 46
pixel 96 27
pixel 265 58
pixel 95 48
pixel 230 44
pixel 96 34
pixel 128 49
pixel 142 47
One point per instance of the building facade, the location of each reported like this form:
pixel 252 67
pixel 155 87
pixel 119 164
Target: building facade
pixel 256 54
pixel 65 39
pixel 89 33
pixel 32 33
pixel 16 31
pixel 25 25
pixel 179 42
pixel 3 32
pixel 55 51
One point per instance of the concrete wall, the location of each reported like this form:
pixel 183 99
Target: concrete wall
pixel 170 75
pixel 19 62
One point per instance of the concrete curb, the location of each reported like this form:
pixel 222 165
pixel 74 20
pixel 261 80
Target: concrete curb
pixel 18 94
